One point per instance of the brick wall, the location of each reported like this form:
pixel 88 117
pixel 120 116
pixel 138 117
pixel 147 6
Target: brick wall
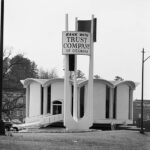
pixel 137 110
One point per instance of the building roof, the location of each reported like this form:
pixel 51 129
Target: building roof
pixel 46 82
pixel 28 81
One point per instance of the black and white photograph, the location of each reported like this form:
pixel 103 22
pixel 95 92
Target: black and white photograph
pixel 75 75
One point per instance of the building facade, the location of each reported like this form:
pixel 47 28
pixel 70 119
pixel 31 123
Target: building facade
pixel 137 110
pixel 112 100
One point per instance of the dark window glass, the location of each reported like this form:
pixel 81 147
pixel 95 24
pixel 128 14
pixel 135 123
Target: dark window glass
pixel 107 101
pixel 81 102
pixel 115 102
pixel 49 99
pixel 57 102
pixel 72 100
pixel 41 100
pixel 57 107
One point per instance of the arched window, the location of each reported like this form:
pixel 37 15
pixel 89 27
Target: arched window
pixel 57 107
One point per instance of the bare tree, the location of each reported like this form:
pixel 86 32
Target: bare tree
pixel 6 62
pixel 47 74
pixel 15 68
pixel 79 75
pixel 11 103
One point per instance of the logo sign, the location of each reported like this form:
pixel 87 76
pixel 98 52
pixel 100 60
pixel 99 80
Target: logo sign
pixel 77 43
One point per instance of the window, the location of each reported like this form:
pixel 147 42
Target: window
pixel 57 107
pixel 115 102
pixel 49 99
pixel 107 101
pixel 41 100
pixel 82 102
pixel 72 88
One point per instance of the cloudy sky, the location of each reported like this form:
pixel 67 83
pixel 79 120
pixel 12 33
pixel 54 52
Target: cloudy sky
pixel 34 28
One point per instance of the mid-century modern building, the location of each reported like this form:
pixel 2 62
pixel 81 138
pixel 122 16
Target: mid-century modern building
pixel 112 100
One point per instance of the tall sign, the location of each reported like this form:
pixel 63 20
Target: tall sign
pixel 85 25
pixel 78 42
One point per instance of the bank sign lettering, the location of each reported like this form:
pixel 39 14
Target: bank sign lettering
pixel 77 43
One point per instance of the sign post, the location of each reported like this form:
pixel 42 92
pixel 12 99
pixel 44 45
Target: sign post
pixel 66 79
pixel 75 97
pixel 78 43
pixel 90 82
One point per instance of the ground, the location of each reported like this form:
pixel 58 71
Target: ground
pixel 93 140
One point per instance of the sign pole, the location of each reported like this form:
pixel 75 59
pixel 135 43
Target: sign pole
pixel 90 82
pixel 75 99
pixel 66 81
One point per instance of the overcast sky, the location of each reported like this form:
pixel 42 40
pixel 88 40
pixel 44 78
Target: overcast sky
pixel 34 28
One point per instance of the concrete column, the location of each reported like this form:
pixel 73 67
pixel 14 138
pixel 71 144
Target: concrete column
pixel 89 107
pixel 27 100
pixel 111 103
pixel 75 98
pixel 45 101
pixel 75 101
pixel 130 104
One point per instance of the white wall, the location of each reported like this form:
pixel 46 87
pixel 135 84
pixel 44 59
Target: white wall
pixel 122 101
pixel 35 99
pixel 57 91
pixel 99 101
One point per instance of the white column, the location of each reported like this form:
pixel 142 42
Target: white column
pixel 111 103
pixel 75 98
pixel 27 100
pixel 67 98
pixel 89 110
pixel 130 104
pixel 45 101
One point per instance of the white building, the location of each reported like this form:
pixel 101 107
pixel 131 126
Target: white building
pixel 112 100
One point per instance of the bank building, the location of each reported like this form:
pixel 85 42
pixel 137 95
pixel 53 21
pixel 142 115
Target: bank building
pixel 112 101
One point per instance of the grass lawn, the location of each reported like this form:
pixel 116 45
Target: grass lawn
pixel 96 140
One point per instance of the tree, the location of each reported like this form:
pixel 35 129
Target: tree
pixel 79 75
pixel 6 65
pixel 11 103
pixel 47 74
pixel 21 68
pixel 118 78
pixel 15 69
pixel 97 76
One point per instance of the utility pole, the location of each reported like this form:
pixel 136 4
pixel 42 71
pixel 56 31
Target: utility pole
pixel 2 127
pixel 142 89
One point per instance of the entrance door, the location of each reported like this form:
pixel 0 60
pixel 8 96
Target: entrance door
pixel 57 107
